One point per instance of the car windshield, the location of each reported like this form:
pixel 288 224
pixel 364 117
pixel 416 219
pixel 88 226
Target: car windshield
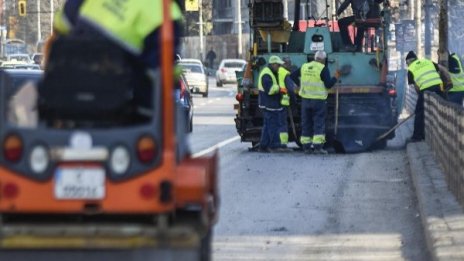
pixel 233 65
pixel 194 68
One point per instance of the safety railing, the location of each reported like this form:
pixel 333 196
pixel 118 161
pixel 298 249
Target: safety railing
pixel 444 132
pixel 410 99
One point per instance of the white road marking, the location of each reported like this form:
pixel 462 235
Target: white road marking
pixel 216 146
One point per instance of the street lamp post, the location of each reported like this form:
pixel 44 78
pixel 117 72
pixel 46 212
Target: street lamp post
pixel 39 29
pixel 52 13
pixel 200 6
pixel 239 25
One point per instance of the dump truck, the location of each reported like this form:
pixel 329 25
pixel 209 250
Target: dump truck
pixel 83 168
pixel 362 105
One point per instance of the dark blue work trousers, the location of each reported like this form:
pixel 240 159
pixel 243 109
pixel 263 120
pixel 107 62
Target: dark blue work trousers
pixel 270 132
pixel 313 113
pixel 419 121
pixel 456 97
pixel 283 122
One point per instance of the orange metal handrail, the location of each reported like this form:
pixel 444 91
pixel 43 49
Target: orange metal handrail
pixel 167 65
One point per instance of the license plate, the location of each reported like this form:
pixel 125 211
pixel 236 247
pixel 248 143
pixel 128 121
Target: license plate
pixel 79 183
pixel 317 46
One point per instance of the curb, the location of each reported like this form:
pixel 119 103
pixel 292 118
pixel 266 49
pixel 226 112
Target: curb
pixel 441 215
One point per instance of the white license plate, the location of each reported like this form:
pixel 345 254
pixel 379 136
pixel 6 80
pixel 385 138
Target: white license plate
pixel 79 183
pixel 317 46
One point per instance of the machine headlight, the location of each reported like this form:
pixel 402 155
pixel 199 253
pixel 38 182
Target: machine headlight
pixel 39 159
pixel 120 160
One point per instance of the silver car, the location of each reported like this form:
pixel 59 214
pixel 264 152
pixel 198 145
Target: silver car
pixel 196 77
pixel 226 71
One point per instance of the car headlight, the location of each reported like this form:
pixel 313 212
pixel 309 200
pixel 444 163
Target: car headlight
pixel 39 159
pixel 120 160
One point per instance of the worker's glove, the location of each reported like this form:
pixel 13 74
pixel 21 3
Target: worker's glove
pixel 283 90
pixel 338 74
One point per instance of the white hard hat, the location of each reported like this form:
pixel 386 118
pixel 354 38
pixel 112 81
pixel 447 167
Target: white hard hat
pixel 320 55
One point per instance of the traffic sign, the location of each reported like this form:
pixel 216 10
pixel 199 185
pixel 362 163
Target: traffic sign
pixel 22 7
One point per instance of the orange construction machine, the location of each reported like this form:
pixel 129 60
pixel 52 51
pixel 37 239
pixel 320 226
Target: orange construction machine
pixel 90 171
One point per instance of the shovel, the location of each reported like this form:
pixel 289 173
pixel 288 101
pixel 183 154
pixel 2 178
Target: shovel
pixel 395 127
pixel 292 123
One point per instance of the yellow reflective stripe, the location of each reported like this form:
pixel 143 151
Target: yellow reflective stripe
pixel 319 139
pixel 61 23
pixel 283 137
pixel 306 140
pixel 306 92
pixel 456 57
pixel 266 71
pixel 434 80
pixel 458 82
pixel 282 73
pixel 274 89
pixel 314 84
pixel 419 77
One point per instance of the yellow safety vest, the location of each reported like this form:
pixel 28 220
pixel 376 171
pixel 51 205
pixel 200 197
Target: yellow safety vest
pixel 282 73
pixel 127 22
pixel 312 86
pixel 61 23
pixel 457 78
pixel 424 73
pixel 275 87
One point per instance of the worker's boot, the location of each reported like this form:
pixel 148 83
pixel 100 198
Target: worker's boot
pixel 308 148
pixel 319 150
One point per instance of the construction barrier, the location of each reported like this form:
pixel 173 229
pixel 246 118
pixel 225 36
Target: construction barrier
pixel 444 132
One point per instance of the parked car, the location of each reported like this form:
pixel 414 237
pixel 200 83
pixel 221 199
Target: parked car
pixel 226 71
pixel 195 75
pixel 27 66
pixel 19 57
pixel 184 98
pixel 12 64
pixel 196 61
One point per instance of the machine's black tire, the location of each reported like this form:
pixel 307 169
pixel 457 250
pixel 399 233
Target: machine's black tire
pixel 205 246
pixel 218 83
pixel 205 94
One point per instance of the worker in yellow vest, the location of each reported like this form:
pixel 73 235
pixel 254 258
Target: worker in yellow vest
pixel 314 78
pixel 132 24
pixel 426 76
pixel 456 94
pixel 270 103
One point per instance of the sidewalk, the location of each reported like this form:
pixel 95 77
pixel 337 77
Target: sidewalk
pixel 442 217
